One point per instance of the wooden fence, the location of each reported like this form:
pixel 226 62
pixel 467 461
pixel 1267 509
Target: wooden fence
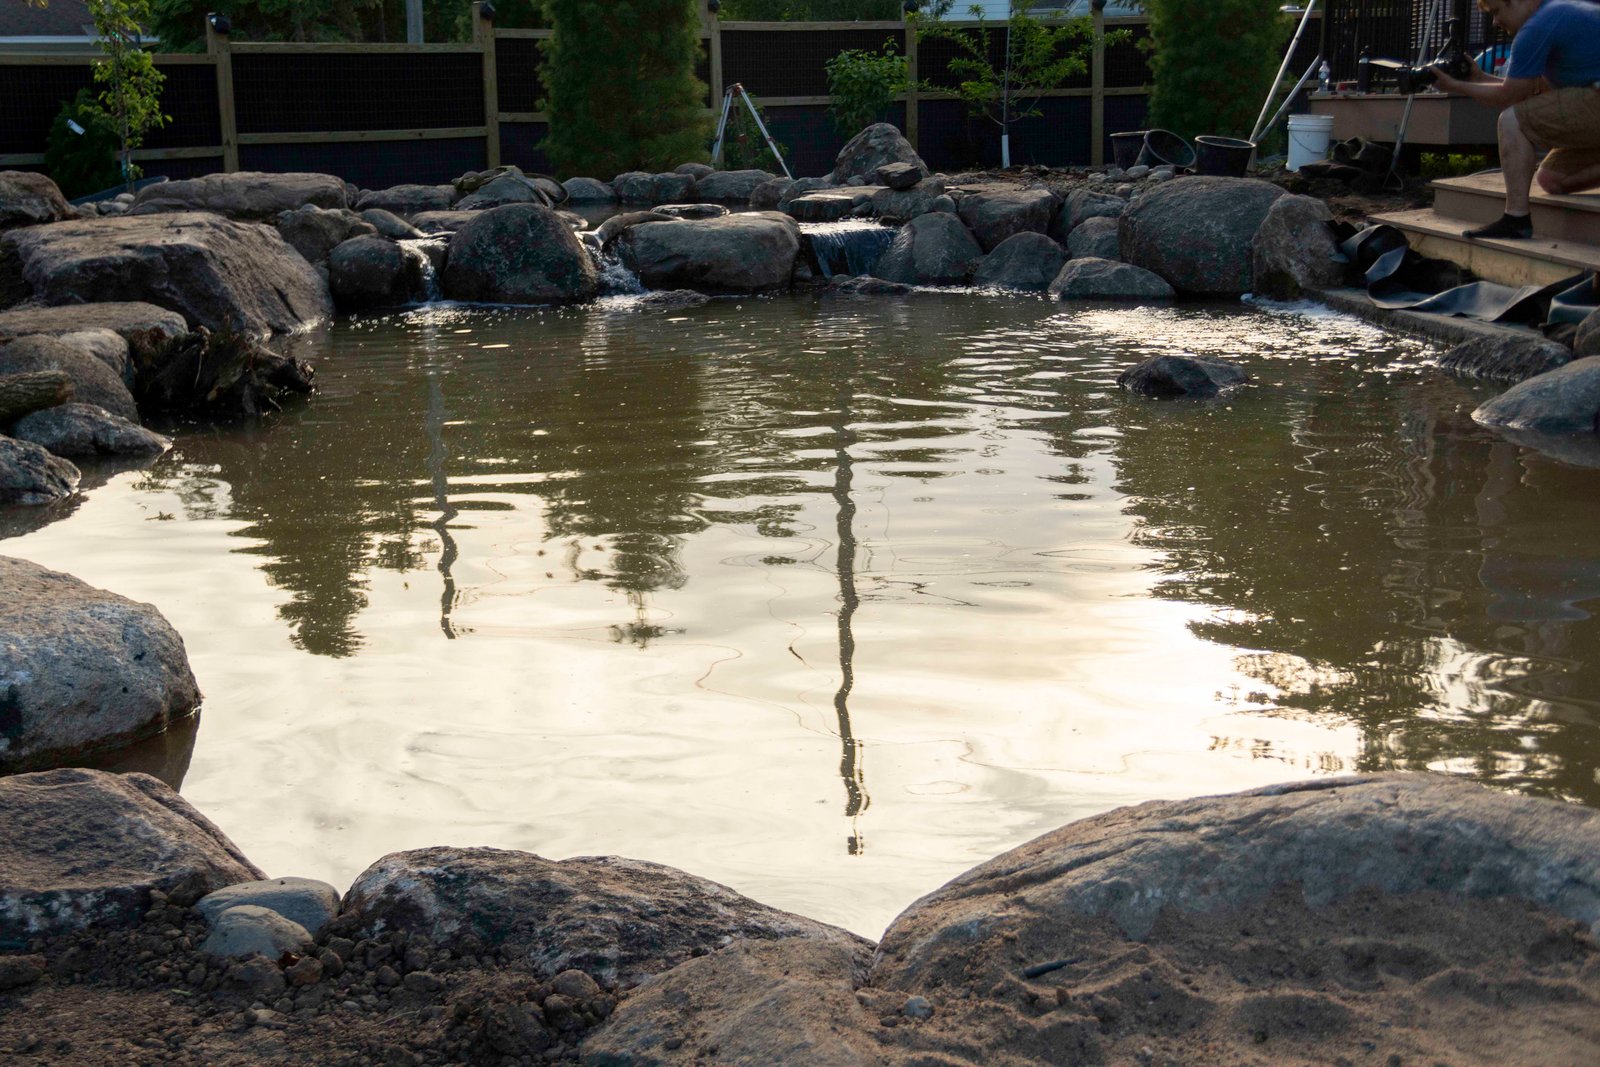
pixel 381 114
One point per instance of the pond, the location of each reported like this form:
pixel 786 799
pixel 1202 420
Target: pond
pixel 830 598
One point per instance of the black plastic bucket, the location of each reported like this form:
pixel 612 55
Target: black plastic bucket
pixel 1223 157
pixel 1165 148
pixel 1125 147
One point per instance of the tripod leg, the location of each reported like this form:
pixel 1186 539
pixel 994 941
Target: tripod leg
pixel 722 126
pixel 763 128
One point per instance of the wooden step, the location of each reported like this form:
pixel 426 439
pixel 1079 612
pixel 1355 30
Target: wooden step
pixel 1537 261
pixel 1480 198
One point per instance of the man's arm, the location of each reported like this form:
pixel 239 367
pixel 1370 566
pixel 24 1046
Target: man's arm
pixel 1495 93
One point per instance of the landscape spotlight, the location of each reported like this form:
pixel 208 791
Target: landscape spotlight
pixel 1098 5
pixel 911 6
pixel 488 12
pixel 219 22
pixel 713 6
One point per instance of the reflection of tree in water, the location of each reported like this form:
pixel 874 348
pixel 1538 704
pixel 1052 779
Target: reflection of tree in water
pixel 1393 567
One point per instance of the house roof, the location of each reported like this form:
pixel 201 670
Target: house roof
pixel 62 18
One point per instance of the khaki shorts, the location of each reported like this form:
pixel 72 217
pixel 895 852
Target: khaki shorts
pixel 1568 122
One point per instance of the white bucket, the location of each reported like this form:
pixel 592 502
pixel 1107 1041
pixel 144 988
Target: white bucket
pixel 1308 139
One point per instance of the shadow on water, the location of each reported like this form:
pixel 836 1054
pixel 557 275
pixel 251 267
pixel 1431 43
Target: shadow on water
pixel 166 756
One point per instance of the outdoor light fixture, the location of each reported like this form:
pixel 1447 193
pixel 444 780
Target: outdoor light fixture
pixel 219 22
pixel 911 6
pixel 713 6
pixel 488 12
pixel 1098 5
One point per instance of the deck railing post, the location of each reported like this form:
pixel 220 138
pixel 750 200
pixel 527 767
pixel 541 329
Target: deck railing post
pixel 217 46
pixel 483 37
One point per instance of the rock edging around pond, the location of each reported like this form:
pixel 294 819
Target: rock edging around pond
pixel 1097 942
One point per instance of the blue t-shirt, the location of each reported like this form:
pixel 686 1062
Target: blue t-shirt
pixel 1561 42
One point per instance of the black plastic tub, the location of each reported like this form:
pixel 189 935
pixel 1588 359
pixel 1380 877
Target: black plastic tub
pixel 1165 148
pixel 1222 157
pixel 1125 147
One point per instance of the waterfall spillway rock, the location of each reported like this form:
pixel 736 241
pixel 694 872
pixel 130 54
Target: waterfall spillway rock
pixel 848 247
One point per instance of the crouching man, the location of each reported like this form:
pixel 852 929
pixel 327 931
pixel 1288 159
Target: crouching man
pixel 1551 97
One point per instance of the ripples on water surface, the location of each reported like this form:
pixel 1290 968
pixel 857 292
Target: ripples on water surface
pixel 831 599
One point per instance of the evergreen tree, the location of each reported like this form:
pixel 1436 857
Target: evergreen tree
pixel 1212 63
pixel 620 86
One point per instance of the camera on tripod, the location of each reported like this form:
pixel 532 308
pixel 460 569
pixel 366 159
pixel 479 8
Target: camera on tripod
pixel 1452 59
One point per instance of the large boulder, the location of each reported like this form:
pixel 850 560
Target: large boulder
pixel 892 203
pixel 1095 238
pixel 619 920
pixel 1104 279
pixel 730 186
pixel 617 225
pixel 92 381
pixel 430 223
pixel 1564 400
pixel 874 147
pixel 1587 340
pixel 146 327
pixel 388 224
pixel 589 191
pixel 218 273
pixel 637 187
pixel 102 345
pixel 1080 206
pixel 1294 250
pixel 508 188
pixel 409 200
pixel 827 205
pixel 82 670
pixel 931 249
pixel 374 272
pixel 28 199
pixel 770 194
pixel 1168 377
pixel 747 253
pixel 995 212
pixel 1505 357
pixel 81 848
pixel 1028 262
pixel 77 429
pixel 314 231
pixel 519 254
pixel 30 474
pixel 245 194
pixel 1198 233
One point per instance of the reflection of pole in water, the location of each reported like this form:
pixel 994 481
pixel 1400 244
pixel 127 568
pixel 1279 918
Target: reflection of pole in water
pixel 850 763
pixel 441 500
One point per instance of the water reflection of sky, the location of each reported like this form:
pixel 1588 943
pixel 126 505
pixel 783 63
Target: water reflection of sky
pixel 830 600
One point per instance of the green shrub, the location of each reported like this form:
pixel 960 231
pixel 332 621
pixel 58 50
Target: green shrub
pixel 863 85
pixel 1212 63
pixel 83 163
pixel 1436 165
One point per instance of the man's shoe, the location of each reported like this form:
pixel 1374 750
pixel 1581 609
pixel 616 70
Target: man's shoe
pixel 1506 227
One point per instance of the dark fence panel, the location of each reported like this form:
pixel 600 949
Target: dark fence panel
pixel 1124 113
pixel 1127 62
pixel 189 99
pixel 948 140
pixel 519 145
pixel 790 62
pixel 32 96
pixel 809 139
pixel 1396 29
pixel 287 92
pixel 516 69
pixel 372 164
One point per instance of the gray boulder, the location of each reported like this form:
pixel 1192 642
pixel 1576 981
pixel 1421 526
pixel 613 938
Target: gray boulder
pixel 1586 343
pixel 83 670
pixel 637 187
pixel 617 225
pixel 519 254
pixel 1505 357
pixel 1294 250
pixel 373 272
pixel 30 474
pixel 314 232
pixel 1095 238
pixel 995 212
pixel 617 919
pixel 28 199
pixel 93 382
pixel 730 186
pixel 218 273
pixel 691 211
pixel 305 902
pixel 745 253
pixel 1198 234
pixel 694 170
pixel 246 930
pixel 1104 279
pixel 432 223
pixel 409 200
pixel 82 848
pixel 589 191
pixel 826 205
pixel 146 328
pixel 909 203
pixel 1326 838
pixel 1080 206
pixel 242 195
pixel 1166 377
pixel 1564 400
pixel 931 249
pixel 388 224
pixel 509 188
pixel 876 146
pixel 1028 262
pixel 900 176
pixel 102 345
pixel 769 194
pixel 77 429
pixel 802 186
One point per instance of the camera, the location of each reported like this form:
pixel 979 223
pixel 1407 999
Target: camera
pixel 1452 59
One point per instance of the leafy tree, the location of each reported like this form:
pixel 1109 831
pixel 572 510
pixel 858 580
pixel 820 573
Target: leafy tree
pixel 863 85
pixel 615 108
pixel 181 24
pixel 1034 58
pixel 1212 63
pixel 130 83
pixel 83 163
pixel 811 10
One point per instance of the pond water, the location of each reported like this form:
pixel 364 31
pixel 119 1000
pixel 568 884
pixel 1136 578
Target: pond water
pixel 830 598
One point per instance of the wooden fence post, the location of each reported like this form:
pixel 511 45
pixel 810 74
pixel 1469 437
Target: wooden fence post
pixel 217 45
pixel 1097 88
pixel 713 30
pixel 910 30
pixel 483 37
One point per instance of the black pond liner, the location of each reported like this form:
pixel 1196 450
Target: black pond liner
pixel 1125 147
pixel 1222 157
pixel 1165 148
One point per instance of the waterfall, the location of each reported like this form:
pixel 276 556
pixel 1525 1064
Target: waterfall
pixel 421 249
pixel 615 277
pixel 847 247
